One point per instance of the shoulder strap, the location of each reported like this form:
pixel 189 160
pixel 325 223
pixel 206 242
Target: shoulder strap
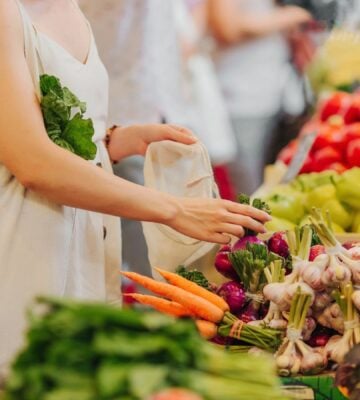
pixel 31 48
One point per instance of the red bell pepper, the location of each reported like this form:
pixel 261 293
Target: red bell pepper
pixel 353 153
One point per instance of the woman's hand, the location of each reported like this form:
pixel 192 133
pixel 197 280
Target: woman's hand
pixel 216 220
pixel 135 139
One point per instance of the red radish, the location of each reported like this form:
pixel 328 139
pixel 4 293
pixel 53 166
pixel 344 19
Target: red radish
pixel 242 243
pixel 234 294
pixel 320 336
pixel 277 244
pixel 223 264
pixel 351 244
pixel 316 251
pixel 251 313
pixel 222 340
pixel 175 394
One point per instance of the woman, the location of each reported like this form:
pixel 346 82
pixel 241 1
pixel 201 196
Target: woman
pixel 57 235
pixel 257 79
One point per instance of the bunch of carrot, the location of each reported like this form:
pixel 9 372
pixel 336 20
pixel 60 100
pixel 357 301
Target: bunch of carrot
pixel 183 298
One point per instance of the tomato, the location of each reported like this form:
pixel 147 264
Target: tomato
pixel 288 152
pixel 338 167
pixel 330 135
pixel 334 105
pixel 351 112
pixel 324 157
pixel 353 153
pixel 352 132
pixel 308 165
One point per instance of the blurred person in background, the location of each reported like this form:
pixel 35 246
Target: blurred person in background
pixel 202 89
pixel 139 45
pixel 253 61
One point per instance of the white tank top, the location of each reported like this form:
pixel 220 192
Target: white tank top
pixel 46 248
pixel 254 75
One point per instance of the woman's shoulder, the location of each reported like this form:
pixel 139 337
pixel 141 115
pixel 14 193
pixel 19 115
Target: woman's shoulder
pixel 11 30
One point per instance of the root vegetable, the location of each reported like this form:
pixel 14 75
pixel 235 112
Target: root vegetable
pixel 162 305
pixel 191 287
pixel 197 305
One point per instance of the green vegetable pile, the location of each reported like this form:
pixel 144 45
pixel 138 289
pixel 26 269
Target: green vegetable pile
pixel 64 118
pixel 83 351
pixel 337 195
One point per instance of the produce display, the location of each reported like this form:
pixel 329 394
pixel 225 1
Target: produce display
pixel 84 351
pixel 337 144
pixel 337 195
pixel 302 284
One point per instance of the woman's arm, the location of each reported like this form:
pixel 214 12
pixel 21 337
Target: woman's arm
pixel 64 178
pixel 231 25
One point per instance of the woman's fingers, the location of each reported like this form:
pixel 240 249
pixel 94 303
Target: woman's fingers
pixel 243 221
pixel 180 134
pixel 232 229
pixel 219 238
pixel 248 211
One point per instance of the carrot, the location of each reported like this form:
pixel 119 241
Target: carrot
pixel 193 288
pixel 164 306
pixel 196 305
pixel 207 330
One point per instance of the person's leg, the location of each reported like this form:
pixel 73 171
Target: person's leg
pixel 252 137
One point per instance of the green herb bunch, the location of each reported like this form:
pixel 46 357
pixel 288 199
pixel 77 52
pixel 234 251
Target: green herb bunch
pixel 85 351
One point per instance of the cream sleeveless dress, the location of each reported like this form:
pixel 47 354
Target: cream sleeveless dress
pixel 46 248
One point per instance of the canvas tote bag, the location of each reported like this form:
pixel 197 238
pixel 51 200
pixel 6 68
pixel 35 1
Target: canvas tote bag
pixel 182 171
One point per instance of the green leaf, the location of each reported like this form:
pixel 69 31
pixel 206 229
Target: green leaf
pixel 78 133
pixel 146 379
pixel 112 379
pixel 50 83
pixel 58 104
pixel 194 276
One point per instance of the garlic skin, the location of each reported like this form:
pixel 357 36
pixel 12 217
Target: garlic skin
pixel 322 300
pixel 356 299
pixel 354 252
pixel 331 344
pixel 332 318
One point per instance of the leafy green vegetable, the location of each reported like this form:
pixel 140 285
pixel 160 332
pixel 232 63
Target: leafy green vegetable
pixel 250 264
pixel 64 118
pixel 194 276
pixel 85 351
pixel 256 203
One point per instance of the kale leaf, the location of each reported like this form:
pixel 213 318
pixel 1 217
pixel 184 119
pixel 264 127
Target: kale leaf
pixel 64 118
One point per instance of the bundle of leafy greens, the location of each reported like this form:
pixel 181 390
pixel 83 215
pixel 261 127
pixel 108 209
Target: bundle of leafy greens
pixel 256 203
pixel 194 276
pixel 84 351
pixel 64 118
